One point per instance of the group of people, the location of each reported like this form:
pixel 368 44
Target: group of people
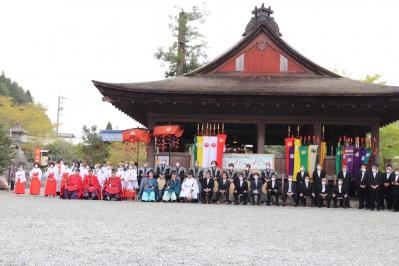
pixel 375 190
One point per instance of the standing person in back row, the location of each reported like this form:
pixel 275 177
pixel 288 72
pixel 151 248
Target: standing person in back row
pixel 395 190
pixel 386 189
pixel 361 178
pixel 375 181
pixel 35 178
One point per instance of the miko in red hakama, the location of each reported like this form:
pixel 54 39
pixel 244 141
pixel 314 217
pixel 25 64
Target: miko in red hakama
pixel 73 187
pixel 51 186
pixel 35 184
pixel 20 184
pixel 113 188
pixel 91 187
pixel 64 182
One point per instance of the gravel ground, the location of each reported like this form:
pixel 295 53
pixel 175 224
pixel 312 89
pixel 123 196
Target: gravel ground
pixel 46 231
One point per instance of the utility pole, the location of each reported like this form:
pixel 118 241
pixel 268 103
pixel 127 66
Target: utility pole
pixel 59 109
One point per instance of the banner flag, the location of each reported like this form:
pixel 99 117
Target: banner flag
pixel 349 153
pixel 365 155
pixel 323 152
pixel 200 144
pixel 213 145
pixel 289 145
pixel 195 149
pixel 297 162
pixel 221 140
pixel 304 156
pixel 205 151
pixel 338 159
pixel 312 158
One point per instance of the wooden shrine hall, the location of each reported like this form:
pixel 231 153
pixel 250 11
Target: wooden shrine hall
pixel 259 89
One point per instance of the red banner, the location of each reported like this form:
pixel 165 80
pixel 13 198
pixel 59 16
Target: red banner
pixel 169 130
pixel 136 135
pixel 37 154
pixel 220 149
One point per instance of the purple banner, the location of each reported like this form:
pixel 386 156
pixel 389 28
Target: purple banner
pixel 349 156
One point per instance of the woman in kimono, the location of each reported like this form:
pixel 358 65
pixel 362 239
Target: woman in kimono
pixel 130 183
pixel 51 182
pixel 148 188
pixel 189 189
pixel 20 179
pixel 172 189
pixel 35 178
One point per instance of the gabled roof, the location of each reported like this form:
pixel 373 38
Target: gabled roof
pixel 263 24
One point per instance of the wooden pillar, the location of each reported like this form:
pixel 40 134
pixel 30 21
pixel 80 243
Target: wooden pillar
pixel 261 137
pixel 375 139
pixel 151 146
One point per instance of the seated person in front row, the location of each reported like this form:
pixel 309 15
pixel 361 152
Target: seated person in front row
pixel 289 191
pixel 223 189
pixel 322 190
pixel 113 187
pixel 161 186
pixel 172 189
pixel 91 187
pixel 306 192
pixel 273 189
pixel 341 194
pixel 240 190
pixel 148 188
pixel 207 188
pixel 256 188
pixel 189 189
pixel 73 186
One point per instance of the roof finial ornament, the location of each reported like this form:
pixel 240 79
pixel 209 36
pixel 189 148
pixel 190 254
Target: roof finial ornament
pixel 262 16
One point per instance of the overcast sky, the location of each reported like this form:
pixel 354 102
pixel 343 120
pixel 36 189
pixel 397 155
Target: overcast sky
pixel 57 47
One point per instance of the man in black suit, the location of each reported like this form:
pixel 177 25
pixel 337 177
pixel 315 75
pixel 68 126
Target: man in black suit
pixel 318 175
pixel 306 191
pixel 240 190
pixel 386 189
pixel 395 190
pixel 361 178
pixel 341 194
pixel 375 181
pixel 290 191
pixel 223 188
pixel 273 189
pixel 300 178
pixel 345 176
pixel 322 192
pixel 207 186
pixel 256 188
pixel 247 173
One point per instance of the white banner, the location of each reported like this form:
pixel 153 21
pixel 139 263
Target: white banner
pixel 257 161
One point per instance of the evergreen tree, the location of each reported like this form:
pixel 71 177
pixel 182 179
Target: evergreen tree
pixel 109 126
pixel 185 53
pixel 94 150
